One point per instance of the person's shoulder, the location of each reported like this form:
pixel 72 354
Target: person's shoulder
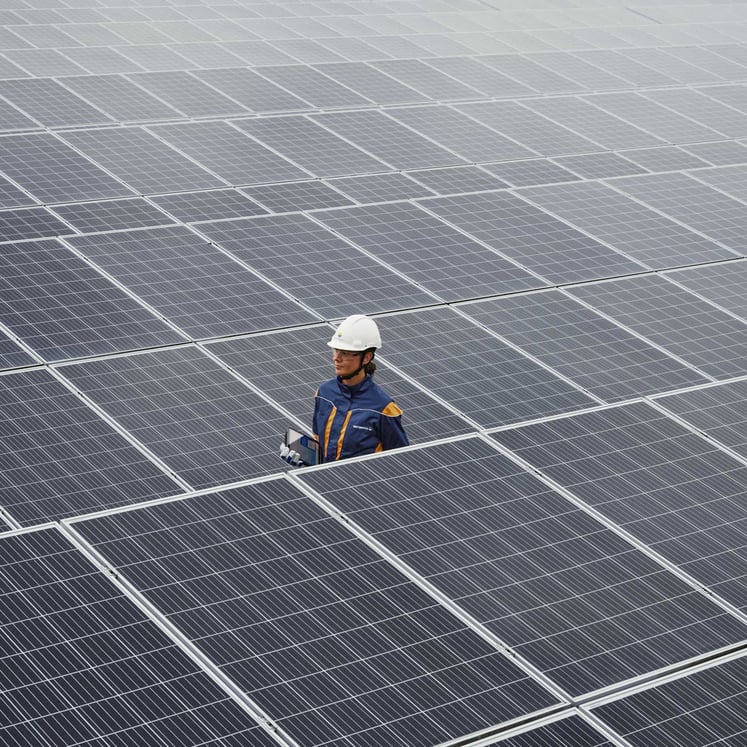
pixel 330 385
pixel 379 392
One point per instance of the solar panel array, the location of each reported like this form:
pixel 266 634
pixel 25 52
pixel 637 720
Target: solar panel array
pixel 542 205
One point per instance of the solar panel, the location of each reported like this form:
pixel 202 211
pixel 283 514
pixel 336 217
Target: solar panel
pixel 82 663
pixel 194 285
pixel 106 215
pixel 531 237
pixel 724 153
pixel 722 284
pixel 498 542
pixel 605 360
pixel 531 73
pixel 53 172
pixel 457 179
pixel 696 205
pixel 425 78
pixel 436 256
pixel 141 160
pixel 634 229
pixel 678 321
pixel 51 104
pixel 706 707
pixel 289 365
pixel 313 86
pixel 528 128
pixel 570 730
pixel 317 150
pixel 526 173
pixel 600 165
pixel 63 308
pixel 659 481
pixel 296 196
pixel 121 99
pixel 387 139
pixel 380 187
pixel 615 62
pixel 331 272
pixel 333 642
pixel 61 459
pixel 204 424
pixel 579 115
pixel 229 153
pixel 718 411
pixel 213 204
pixel 473 371
pixel 589 76
pixel 30 223
pixel 188 94
pixel 462 135
pixel 486 79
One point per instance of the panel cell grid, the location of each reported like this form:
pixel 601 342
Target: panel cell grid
pixel 654 118
pixel 599 356
pixel 529 129
pixel 330 272
pixel 473 371
pixel 120 98
pixel 600 165
pixel 289 365
pixel 486 79
pixel 335 644
pixel 111 215
pixel 63 308
pixel 548 579
pixel 229 153
pixel 724 153
pixel 185 92
pixel 203 423
pixel 723 284
pixel 667 158
pixel 372 83
pixel 388 140
pixel 691 202
pixel 532 238
pixel 380 187
pixel 719 411
pixel 81 663
pixel 578 115
pixel 529 172
pixel 671 317
pixel 570 730
pixel 662 483
pixel 50 103
pixel 296 196
pixel 53 172
pixel 251 90
pixel 632 228
pixel 531 73
pixel 707 707
pixel 142 160
pixel 30 223
pixel 197 287
pixel 457 179
pixel 60 459
pixel 311 85
pixel 214 204
pixel 464 136
pixel 424 78
pixel 729 179
pixel 436 256
pixel 319 151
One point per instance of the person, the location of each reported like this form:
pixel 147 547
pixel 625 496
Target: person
pixel 353 415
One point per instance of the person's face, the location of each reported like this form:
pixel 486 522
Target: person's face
pixel 346 362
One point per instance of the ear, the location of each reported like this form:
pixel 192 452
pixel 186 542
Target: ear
pixel 367 358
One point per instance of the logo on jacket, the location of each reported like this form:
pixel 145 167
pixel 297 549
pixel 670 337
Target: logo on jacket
pixel 362 428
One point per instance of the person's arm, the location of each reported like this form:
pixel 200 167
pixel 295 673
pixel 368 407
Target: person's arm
pixel 391 431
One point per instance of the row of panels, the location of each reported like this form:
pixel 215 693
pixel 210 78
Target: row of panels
pixel 259 592
pixel 156 423
pixel 231 90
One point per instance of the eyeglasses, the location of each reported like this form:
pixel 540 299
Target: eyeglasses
pixel 346 353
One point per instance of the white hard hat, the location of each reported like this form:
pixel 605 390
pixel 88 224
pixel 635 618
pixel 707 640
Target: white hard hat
pixel 357 332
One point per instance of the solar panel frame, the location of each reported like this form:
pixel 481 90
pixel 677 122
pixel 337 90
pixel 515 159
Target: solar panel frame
pixel 393 649
pixel 86 662
pixel 436 256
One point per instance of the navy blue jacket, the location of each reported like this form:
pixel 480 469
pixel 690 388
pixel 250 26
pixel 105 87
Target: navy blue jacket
pixel 353 420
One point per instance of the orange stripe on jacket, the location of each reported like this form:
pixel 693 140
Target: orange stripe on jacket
pixel 341 438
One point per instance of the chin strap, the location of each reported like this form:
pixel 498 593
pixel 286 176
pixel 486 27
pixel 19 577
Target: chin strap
pixel 360 368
